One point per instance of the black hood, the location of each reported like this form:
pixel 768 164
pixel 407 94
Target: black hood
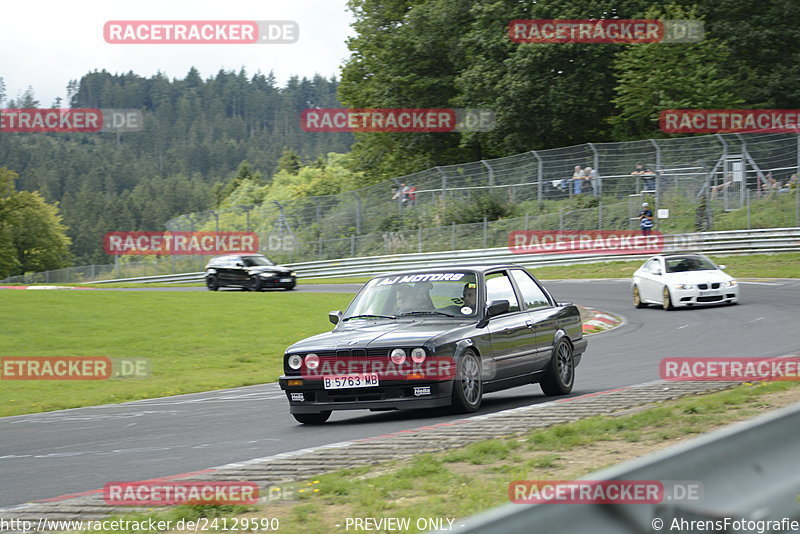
pixel 381 333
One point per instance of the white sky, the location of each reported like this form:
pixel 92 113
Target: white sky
pixel 45 43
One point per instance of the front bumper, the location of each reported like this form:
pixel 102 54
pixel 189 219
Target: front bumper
pixel 391 395
pixel 699 297
pixel 278 281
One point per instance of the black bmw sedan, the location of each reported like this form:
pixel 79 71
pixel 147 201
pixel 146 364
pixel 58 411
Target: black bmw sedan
pixel 248 271
pixel 435 337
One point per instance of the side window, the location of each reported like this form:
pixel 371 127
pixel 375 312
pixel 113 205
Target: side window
pixel 498 287
pixel 532 294
pixel 653 265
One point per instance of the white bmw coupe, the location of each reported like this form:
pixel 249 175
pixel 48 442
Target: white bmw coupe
pixel 678 280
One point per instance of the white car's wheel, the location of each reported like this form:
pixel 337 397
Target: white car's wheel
pixel 637 298
pixel 668 299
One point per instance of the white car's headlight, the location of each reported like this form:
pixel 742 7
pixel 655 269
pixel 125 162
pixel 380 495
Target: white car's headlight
pixel 730 283
pixel 683 286
pixel 293 274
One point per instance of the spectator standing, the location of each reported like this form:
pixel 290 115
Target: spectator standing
pixel 403 194
pixel 591 177
pixel 577 179
pixel 649 179
pixel 412 194
pixel 646 219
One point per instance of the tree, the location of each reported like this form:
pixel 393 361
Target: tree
pixel 655 77
pixel 288 162
pixel 32 237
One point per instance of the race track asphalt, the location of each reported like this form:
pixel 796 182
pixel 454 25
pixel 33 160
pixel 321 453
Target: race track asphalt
pixel 56 453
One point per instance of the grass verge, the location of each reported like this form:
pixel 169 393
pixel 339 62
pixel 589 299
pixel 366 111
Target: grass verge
pixel 194 341
pixel 462 482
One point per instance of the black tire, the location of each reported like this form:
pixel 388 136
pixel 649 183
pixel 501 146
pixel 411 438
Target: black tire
pixel 255 283
pixel 637 298
pixel 289 288
pixel 667 300
pixel 468 384
pixel 560 375
pixel 212 283
pixel 312 418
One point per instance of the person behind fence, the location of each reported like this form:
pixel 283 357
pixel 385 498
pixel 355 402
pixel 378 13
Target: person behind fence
pixel 715 189
pixel 577 179
pixel 412 194
pixel 403 194
pixel 649 179
pixel 591 177
pixel 646 219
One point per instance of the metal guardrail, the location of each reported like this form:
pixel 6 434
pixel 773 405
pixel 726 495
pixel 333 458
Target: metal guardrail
pixel 747 471
pixel 731 242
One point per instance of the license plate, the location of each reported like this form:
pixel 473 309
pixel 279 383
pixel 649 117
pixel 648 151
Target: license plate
pixel 286 279
pixel 709 293
pixel 350 381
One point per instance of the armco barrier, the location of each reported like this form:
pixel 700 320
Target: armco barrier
pixel 733 242
pixel 747 471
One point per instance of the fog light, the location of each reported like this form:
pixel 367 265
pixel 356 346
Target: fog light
pixel 418 355
pixel 312 361
pixel 398 356
pixel 295 361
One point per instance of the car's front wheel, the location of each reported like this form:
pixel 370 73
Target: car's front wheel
pixel 668 299
pixel 255 283
pixel 312 418
pixel 560 376
pixel 637 298
pixel 212 283
pixel 468 386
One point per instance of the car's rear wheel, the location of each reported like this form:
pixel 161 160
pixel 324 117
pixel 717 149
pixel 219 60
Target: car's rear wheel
pixel 560 376
pixel 212 283
pixel 468 385
pixel 312 418
pixel 637 298
pixel 255 283
pixel 668 299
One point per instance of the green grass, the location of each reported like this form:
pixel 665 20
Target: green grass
pixel 195 341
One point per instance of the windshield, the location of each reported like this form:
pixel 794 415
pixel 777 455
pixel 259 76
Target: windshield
pixel 443 294
pixel 256 261
pixel 689 263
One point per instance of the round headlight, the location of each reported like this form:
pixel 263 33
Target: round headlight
pixel 312 361
pixel 398 356
pixel 295 361
pixel 418 355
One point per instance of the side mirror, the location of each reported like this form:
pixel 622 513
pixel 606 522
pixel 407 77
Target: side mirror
pixel 335 316
pixel 497 307
pixel 723 267
pixel 239 264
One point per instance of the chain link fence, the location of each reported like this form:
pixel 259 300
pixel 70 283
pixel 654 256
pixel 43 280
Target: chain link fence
pixel 710 182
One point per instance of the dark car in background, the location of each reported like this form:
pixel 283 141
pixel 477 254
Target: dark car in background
pixel 248 271
pixel 435 337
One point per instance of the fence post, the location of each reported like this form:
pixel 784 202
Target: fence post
pixel 485 230
pixel 453 235
pixel 526 221
pixel 419 238
pixel 658 171
pixel 561 219
pixel 358 212
pixel 797 204
pixel 600 214
pixel 491 172
pixel 352 245
pixel 540 176
pixel 747 199
pixel 444 186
